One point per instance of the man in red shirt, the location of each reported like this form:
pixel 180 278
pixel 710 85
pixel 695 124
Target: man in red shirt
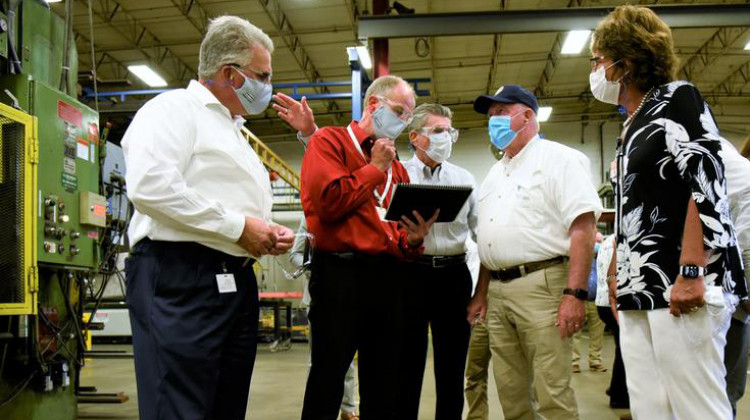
pixel 348 174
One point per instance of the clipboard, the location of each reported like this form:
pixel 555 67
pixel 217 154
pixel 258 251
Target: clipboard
pixel 425 199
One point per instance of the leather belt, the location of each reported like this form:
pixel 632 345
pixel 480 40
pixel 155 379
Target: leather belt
pixel 522 270
pixel 440 261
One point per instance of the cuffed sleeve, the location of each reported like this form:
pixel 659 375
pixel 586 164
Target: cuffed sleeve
pixel 573 191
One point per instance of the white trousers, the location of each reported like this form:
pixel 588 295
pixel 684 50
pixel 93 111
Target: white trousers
pixel 675 367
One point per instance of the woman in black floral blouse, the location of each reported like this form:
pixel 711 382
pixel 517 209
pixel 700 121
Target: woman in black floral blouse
pixel 679 272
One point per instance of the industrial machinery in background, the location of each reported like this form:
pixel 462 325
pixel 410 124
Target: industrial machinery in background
pixel 54 236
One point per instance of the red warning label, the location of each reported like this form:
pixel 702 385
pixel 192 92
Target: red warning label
pixel 100 211
pixel 69 113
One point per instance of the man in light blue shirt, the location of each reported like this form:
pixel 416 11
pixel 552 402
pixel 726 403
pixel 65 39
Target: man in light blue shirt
pixel 440 284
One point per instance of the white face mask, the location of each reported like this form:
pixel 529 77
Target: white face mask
pixel 603 89
pixel 441 145
pixel 254 95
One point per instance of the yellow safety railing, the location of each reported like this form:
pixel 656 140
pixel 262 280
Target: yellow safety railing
pixel 272 160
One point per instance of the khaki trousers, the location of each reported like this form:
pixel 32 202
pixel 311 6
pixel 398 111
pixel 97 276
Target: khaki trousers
pixel 596 337
pixel 477 365
pixel 531 363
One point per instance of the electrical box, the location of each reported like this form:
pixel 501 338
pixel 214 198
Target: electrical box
pixel 93 209
pixel 113 179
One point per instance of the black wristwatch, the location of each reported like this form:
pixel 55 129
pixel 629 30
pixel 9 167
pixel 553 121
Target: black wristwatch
pixel 692 271
pixel 577 293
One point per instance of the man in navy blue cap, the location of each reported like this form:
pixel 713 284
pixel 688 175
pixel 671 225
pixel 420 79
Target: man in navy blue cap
pixel 537 212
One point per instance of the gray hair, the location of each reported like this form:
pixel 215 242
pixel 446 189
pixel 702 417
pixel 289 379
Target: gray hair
pixel 383 85
pixel 228 40
pixel 422 112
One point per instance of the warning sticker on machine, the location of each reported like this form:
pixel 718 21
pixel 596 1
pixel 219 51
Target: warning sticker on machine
pixel 69 165
pixel 93 133
pixel 93 234
pixel 69 113
pixel 100 211
pixel 82 151
pixel 69 182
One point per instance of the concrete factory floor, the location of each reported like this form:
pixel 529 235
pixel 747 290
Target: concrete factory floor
pixel 279 384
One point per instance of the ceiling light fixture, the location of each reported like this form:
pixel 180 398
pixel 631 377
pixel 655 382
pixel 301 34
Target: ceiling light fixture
pixel 575 41
pixel 544 113
pixel 364 57
pixel 747 46
pixel 147 75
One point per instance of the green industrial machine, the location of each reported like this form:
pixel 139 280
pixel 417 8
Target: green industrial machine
pixel 51 214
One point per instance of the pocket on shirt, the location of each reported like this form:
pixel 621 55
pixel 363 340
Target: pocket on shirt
pixel 530 191
pixel 530 203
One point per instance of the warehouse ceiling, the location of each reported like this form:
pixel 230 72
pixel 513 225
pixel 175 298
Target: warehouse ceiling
pixel 311 37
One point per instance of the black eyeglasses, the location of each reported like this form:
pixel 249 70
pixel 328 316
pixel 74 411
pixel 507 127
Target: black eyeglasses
pixel 264 77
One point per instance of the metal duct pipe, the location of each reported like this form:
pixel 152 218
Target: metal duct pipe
pixel 548 20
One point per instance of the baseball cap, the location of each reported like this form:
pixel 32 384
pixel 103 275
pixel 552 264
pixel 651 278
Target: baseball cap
pixel 508 94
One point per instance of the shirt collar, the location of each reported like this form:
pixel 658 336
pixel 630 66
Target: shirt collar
pixel 427 172
pixel 523 154
pixel 207 98
pixel 359 133
pixel 202 93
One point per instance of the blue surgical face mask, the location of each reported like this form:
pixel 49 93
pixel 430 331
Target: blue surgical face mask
pixel 501 135
pixel 387 124
pixel 254 95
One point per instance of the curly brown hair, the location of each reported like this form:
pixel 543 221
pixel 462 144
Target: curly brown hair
pixel 638 37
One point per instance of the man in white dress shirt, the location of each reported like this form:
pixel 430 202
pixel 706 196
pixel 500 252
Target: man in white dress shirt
pixel 737 172
pixel 440 283
pixel 537 211
pixel 203 207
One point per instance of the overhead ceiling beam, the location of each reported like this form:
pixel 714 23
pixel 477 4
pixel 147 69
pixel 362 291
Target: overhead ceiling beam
pixel 194 13
pixel 353 14
pixel 119 69
pixel 707 54
pixel 496 42
pixel 284 29
pixel 734 84
pixel 141 39
pixel 432 42
pixel 552 58
pixel 546 20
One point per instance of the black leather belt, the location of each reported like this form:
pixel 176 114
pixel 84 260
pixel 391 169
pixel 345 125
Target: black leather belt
pixel 524 269
pixel 440 261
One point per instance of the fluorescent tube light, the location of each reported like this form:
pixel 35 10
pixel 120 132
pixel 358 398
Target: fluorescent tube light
pixel 364 57
pixel 147 75
pixel 544 113
pixel 575 41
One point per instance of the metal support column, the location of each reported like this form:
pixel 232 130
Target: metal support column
pixel 380 45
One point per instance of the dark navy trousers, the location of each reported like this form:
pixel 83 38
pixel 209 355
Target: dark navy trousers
pixel 194 347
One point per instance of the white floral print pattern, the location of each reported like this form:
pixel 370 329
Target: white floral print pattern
pixel 670 155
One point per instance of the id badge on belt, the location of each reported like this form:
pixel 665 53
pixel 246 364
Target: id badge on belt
pixel 225 281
